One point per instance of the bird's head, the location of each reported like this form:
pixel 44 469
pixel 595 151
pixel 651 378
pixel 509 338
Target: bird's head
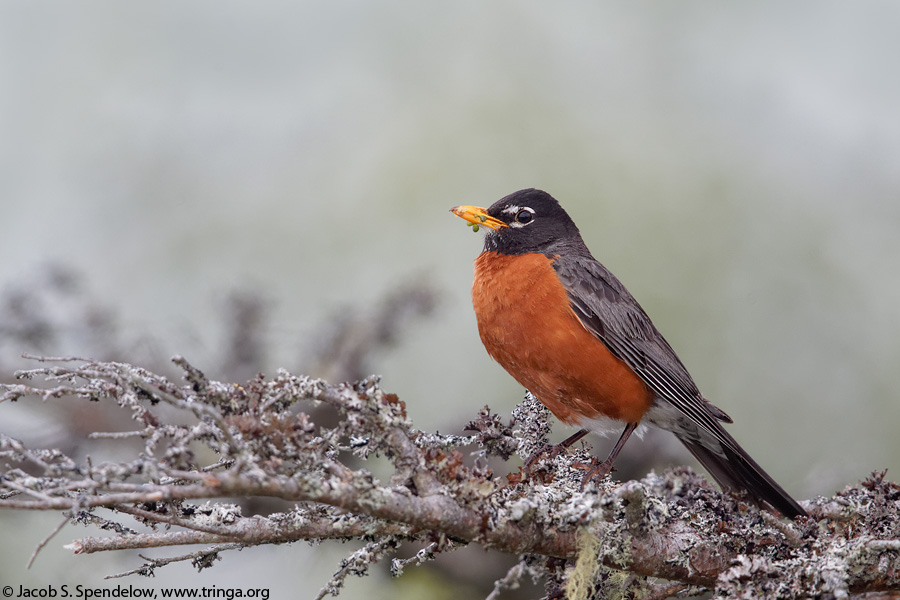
pixel 525 221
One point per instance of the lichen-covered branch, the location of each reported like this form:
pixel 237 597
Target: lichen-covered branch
pixel 202 444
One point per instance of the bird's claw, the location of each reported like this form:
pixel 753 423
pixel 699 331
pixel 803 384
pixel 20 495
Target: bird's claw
pixel 545 452
pixel 594 469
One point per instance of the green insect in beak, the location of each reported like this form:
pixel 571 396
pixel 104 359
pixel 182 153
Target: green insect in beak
pixel 475 226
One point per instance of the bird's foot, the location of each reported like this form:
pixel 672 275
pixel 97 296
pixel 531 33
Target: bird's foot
pixel 545 452
pixel 594 469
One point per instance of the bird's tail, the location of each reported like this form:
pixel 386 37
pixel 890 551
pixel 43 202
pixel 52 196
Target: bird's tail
pixel 734 470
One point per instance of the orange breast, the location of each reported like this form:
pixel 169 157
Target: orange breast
pixel 527 326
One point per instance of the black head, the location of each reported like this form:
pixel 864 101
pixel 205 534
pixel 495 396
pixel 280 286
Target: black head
pixel 525 221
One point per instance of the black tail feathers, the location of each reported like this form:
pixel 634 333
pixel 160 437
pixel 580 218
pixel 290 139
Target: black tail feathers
pixel 734 470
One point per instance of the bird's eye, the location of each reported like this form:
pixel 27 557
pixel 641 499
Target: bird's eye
pixel 524 216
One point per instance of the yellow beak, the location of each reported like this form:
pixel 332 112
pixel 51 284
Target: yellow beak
pixel 477 217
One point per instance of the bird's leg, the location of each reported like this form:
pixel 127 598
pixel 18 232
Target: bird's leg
pixel 552 450
pixel 602 470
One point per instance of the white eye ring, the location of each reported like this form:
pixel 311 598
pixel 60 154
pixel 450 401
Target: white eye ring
pixel 523 215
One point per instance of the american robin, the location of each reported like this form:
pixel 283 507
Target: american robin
pixel 567 329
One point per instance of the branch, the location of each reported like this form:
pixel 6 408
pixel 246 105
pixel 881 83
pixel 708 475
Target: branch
pixel 208 441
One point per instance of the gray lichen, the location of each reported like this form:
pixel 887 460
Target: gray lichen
pixel 202 443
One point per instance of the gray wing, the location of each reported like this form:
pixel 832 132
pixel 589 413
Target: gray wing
pixel 608 310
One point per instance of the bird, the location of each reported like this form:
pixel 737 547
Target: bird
pixel 569 331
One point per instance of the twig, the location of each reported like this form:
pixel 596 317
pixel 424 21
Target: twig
pixel 671 590
pixel 153 563
pixel 357 563
pixel 46 540
pixel 510 581
pixel 669 526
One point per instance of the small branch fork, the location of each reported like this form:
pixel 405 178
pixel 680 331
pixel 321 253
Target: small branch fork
pixel 200 442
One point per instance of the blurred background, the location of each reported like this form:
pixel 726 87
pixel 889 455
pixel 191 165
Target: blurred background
pixel 268 178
